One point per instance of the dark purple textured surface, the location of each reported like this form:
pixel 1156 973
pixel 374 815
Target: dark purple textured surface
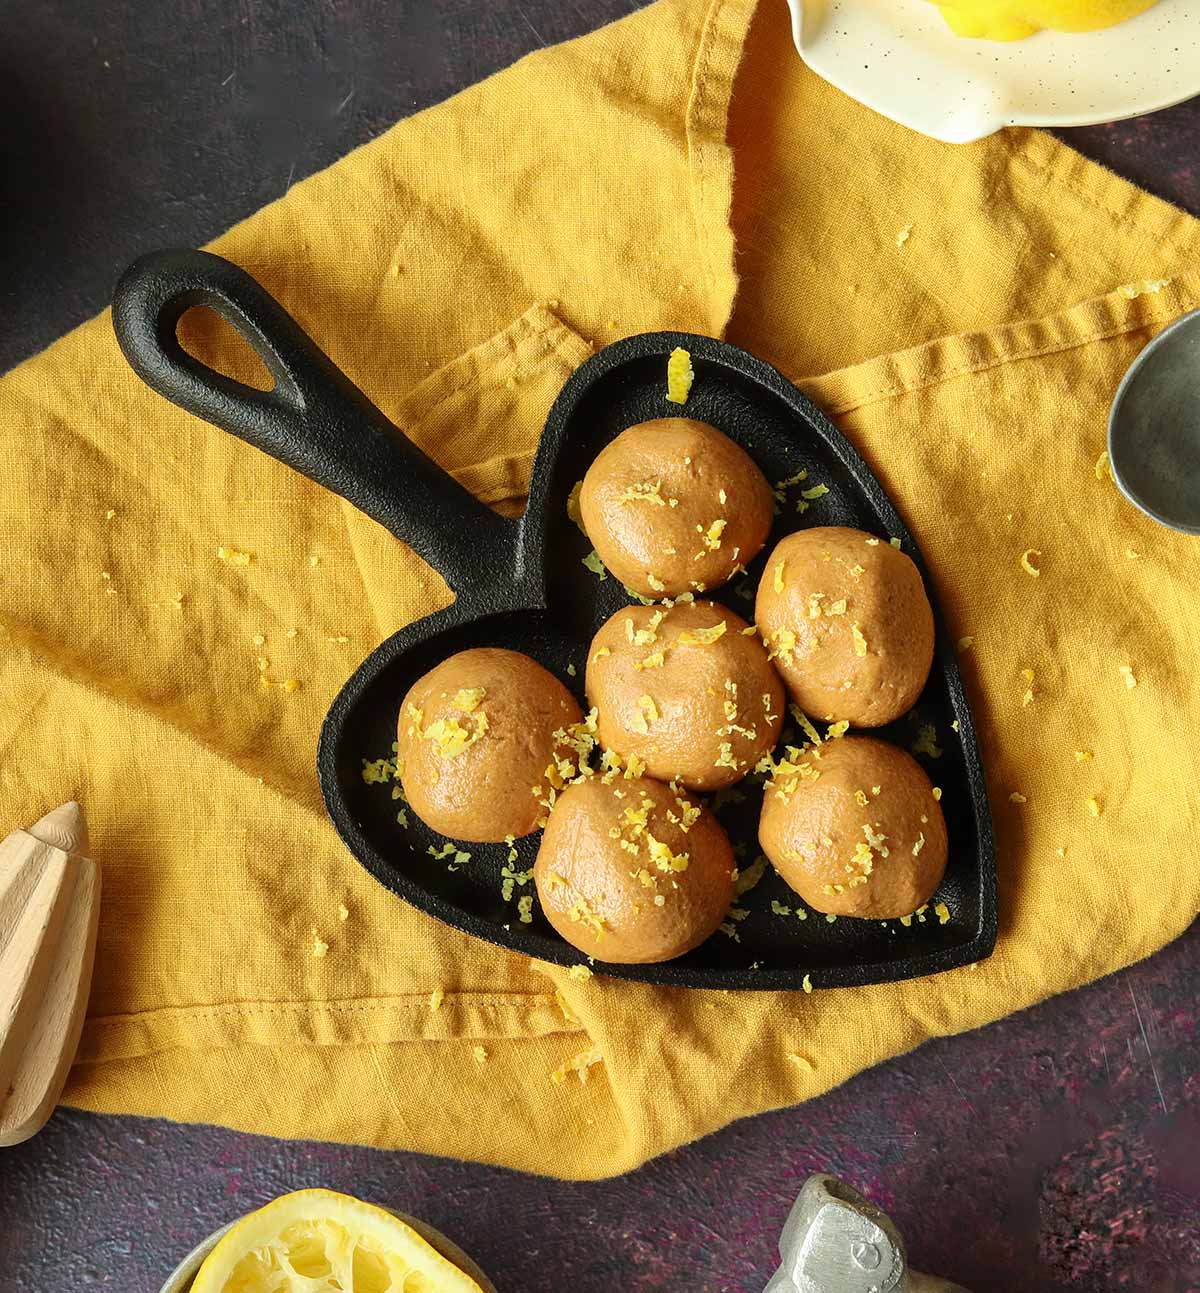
pixel 1055 1151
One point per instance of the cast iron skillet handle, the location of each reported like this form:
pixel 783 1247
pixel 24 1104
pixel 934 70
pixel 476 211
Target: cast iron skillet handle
pixel 314 419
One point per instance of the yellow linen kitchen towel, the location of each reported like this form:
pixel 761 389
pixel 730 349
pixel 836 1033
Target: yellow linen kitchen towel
pixel 965 314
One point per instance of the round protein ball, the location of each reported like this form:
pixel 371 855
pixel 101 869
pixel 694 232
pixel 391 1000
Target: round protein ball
pixel 475 736
pixel 687 690
pixel 674 506
pixel 633 871
pixel 854 827
pixel 847 623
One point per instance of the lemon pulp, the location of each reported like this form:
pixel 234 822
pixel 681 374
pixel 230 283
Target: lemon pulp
pixel 318 1241
pixel 1016 19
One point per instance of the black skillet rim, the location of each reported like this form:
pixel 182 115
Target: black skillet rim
pixel 669 973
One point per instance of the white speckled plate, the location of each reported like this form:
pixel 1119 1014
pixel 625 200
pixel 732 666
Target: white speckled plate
pixel 900 58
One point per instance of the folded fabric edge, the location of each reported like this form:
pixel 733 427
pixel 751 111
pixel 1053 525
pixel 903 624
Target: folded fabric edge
pixel 710 156
pixel 1125 309
pixel 1098 186
pixel 450 1016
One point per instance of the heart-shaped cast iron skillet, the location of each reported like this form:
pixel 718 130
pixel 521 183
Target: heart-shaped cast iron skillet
pixel 522 584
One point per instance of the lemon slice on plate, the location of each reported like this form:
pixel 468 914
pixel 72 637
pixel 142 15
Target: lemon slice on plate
pixel 1016 19
pixel 319 1241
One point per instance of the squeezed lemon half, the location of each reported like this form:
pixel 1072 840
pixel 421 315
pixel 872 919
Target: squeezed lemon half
pixel 1016 19
pixel 319 1241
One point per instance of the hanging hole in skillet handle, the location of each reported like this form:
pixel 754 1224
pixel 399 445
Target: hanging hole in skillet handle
pixel 314 419
pixel 208 336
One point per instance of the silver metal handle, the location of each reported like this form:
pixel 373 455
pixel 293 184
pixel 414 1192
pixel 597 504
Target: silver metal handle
pixel 837 1241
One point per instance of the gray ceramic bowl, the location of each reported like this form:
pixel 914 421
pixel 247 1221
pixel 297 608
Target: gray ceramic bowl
pixel 180 1279
pixel 1154 428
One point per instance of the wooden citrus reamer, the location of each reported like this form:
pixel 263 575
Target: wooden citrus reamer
pixel 49 907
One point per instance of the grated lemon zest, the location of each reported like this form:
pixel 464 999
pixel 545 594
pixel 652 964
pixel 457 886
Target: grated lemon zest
pixel 580 1065
pixel 451 738
pixel 863 861
pixel 680 376
pixel 748 878
pixel 663 858
pixel 876 839
pixel 377 771
pixel 1131 291
pixel 703 637
pixel 806 725
pixel 644 491
pixel 783 645
pixel 468 699
pixel 593 563
pixel 712 538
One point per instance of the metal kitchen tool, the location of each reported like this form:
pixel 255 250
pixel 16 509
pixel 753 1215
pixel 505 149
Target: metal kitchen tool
pixel 835 1241
pixel 1154 428
pixel 49 908
pixel 521 584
